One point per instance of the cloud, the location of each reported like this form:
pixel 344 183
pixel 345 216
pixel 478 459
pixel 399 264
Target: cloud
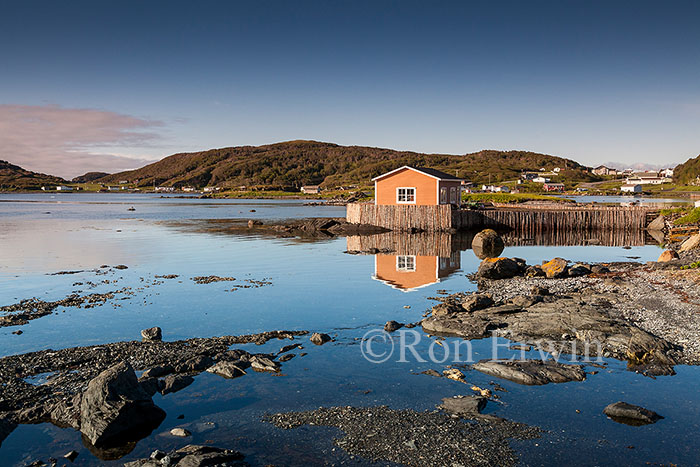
pixel 69 142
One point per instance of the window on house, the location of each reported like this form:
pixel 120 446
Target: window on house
pixel 453 195
pixel 443 195
pixel 405 263
pixel 405 195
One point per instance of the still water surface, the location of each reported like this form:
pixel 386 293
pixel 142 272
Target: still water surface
pixel 314 286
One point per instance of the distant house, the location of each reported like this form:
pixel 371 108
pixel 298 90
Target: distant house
pixel 211 189
pixel 63 188
pixel 602 170
pixel 114 188
pixel 541 179
pixel 556 170
pixel 553 187
pixel 311 189
pixel 418 186
pixel 188 189
pixel 667 173
pixel 495 188
pixel 166 189
pixel 529 175
pixel 631 188
pixel 645 180
pixel 697 204
pixel 123 182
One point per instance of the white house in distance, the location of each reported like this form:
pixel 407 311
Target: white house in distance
pixel 646 180
pixel 602 170
pixel 697 204
pixel 311 189
pixel 63 188
pixel 631 188
pixel 541 179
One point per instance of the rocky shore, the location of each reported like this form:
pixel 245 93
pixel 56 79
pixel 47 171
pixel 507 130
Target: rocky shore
pixel 645 314
pixel 96 390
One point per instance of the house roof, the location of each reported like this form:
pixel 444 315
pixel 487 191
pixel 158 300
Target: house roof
pixel 437 174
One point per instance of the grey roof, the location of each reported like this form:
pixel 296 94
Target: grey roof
pixel 437 173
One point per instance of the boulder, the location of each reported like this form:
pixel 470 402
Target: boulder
pixel 531 372
pixel 158 371
pixel 500 268
pixel 487 244
pixel 195 364
pixel 180 432
pixel 629 414
pixel 154 334
pixel 599 269
pixel 476 301
pixel 463 406
pixel 191 456
pixel 657 224
pixel 175 383
pixel 260 363
pixel 227 370
pixel 392 326
pixel 555 268
pixel 692 243
pixel 579 269
pixel 253 223
pixel 534 271
pixel 319 338
pixel 6 427
pixel 667 255
pixel 115 409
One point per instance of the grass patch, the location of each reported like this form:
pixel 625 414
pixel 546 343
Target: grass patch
pixel 693 217
pixel 511 197
pixel 694 265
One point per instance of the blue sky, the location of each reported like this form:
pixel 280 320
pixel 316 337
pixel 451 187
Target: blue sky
pixel 110 85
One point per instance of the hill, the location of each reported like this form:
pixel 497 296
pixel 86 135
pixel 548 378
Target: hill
pixel 298 163
pixel 688 172
pixel 89 177
pixel 14 177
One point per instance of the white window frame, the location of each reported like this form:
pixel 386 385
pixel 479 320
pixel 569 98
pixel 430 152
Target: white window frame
pixel 398 200
pixel 407 266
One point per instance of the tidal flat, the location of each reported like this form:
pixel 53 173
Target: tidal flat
pixel 81 276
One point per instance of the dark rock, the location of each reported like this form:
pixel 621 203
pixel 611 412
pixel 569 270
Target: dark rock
pixel 476 301
pixel 500 268
pixel 71 456
pixel 158 371
pixel 6 427
pixel 487 244
pixel 253 223
pixel 463 406
pixel 152 334
pixel 121 266
pixel 115 408
pixel 319 338
pixel 524 301
pixel 431 372
pixel 174 383
pixel 392 326
pixel 542 291
pixel 151 385
pixel 534 271
pixel 287 357
pixel 531 372
pixel 629 414
pixel 192 456
pixel 599 269
pixel 227 370
pixel 195 364
pixel 579 269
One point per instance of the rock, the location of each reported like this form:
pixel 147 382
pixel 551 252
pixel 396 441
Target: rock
pixel 115 408
pixel 487 244
pixel 524 301
pixel 500 268
pixel 192 456
pixel 692 243
pixel 629 414
pixel 599 269
pixel 657 224
pixel 534 271
pixel 542 291
pixel 287 357
pixel 555 268
pixel 666 256
pixel 174 383
pixel 431 372
pixel 259 363
pixel 319 338
pixel 454 374
pixel 6 427
pixel 158 371
pixel 227 370
pixel 121 266
pixel 579 269
pixel 181 432
pixel 151 385
pixel 253 223
pixel 476 301
pixel 71 456
pixel 195 364
pixel 531 372
pixel 152 334
pixel 463 405
pixel 392 326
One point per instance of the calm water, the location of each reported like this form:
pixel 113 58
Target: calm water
pixel 314 286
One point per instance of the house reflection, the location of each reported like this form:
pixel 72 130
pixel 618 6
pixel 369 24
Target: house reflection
pixel 409 261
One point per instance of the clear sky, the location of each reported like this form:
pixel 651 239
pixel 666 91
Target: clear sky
pixel 108 85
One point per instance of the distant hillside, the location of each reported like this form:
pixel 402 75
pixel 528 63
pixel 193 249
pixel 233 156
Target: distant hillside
pixel 298 163
pixel 89 177
pixel 14 177
pixel 687 172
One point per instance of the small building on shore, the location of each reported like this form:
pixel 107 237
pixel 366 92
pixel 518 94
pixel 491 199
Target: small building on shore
pixel 631 188
pixel 311 189
pixel 64 188
pixel 697 204
pixel 417 186
pixel 602 170
pixel 549 186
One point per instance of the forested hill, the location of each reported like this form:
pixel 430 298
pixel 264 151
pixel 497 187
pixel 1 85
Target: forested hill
pixel 14 177
pixel 687 172
pixel 298 163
